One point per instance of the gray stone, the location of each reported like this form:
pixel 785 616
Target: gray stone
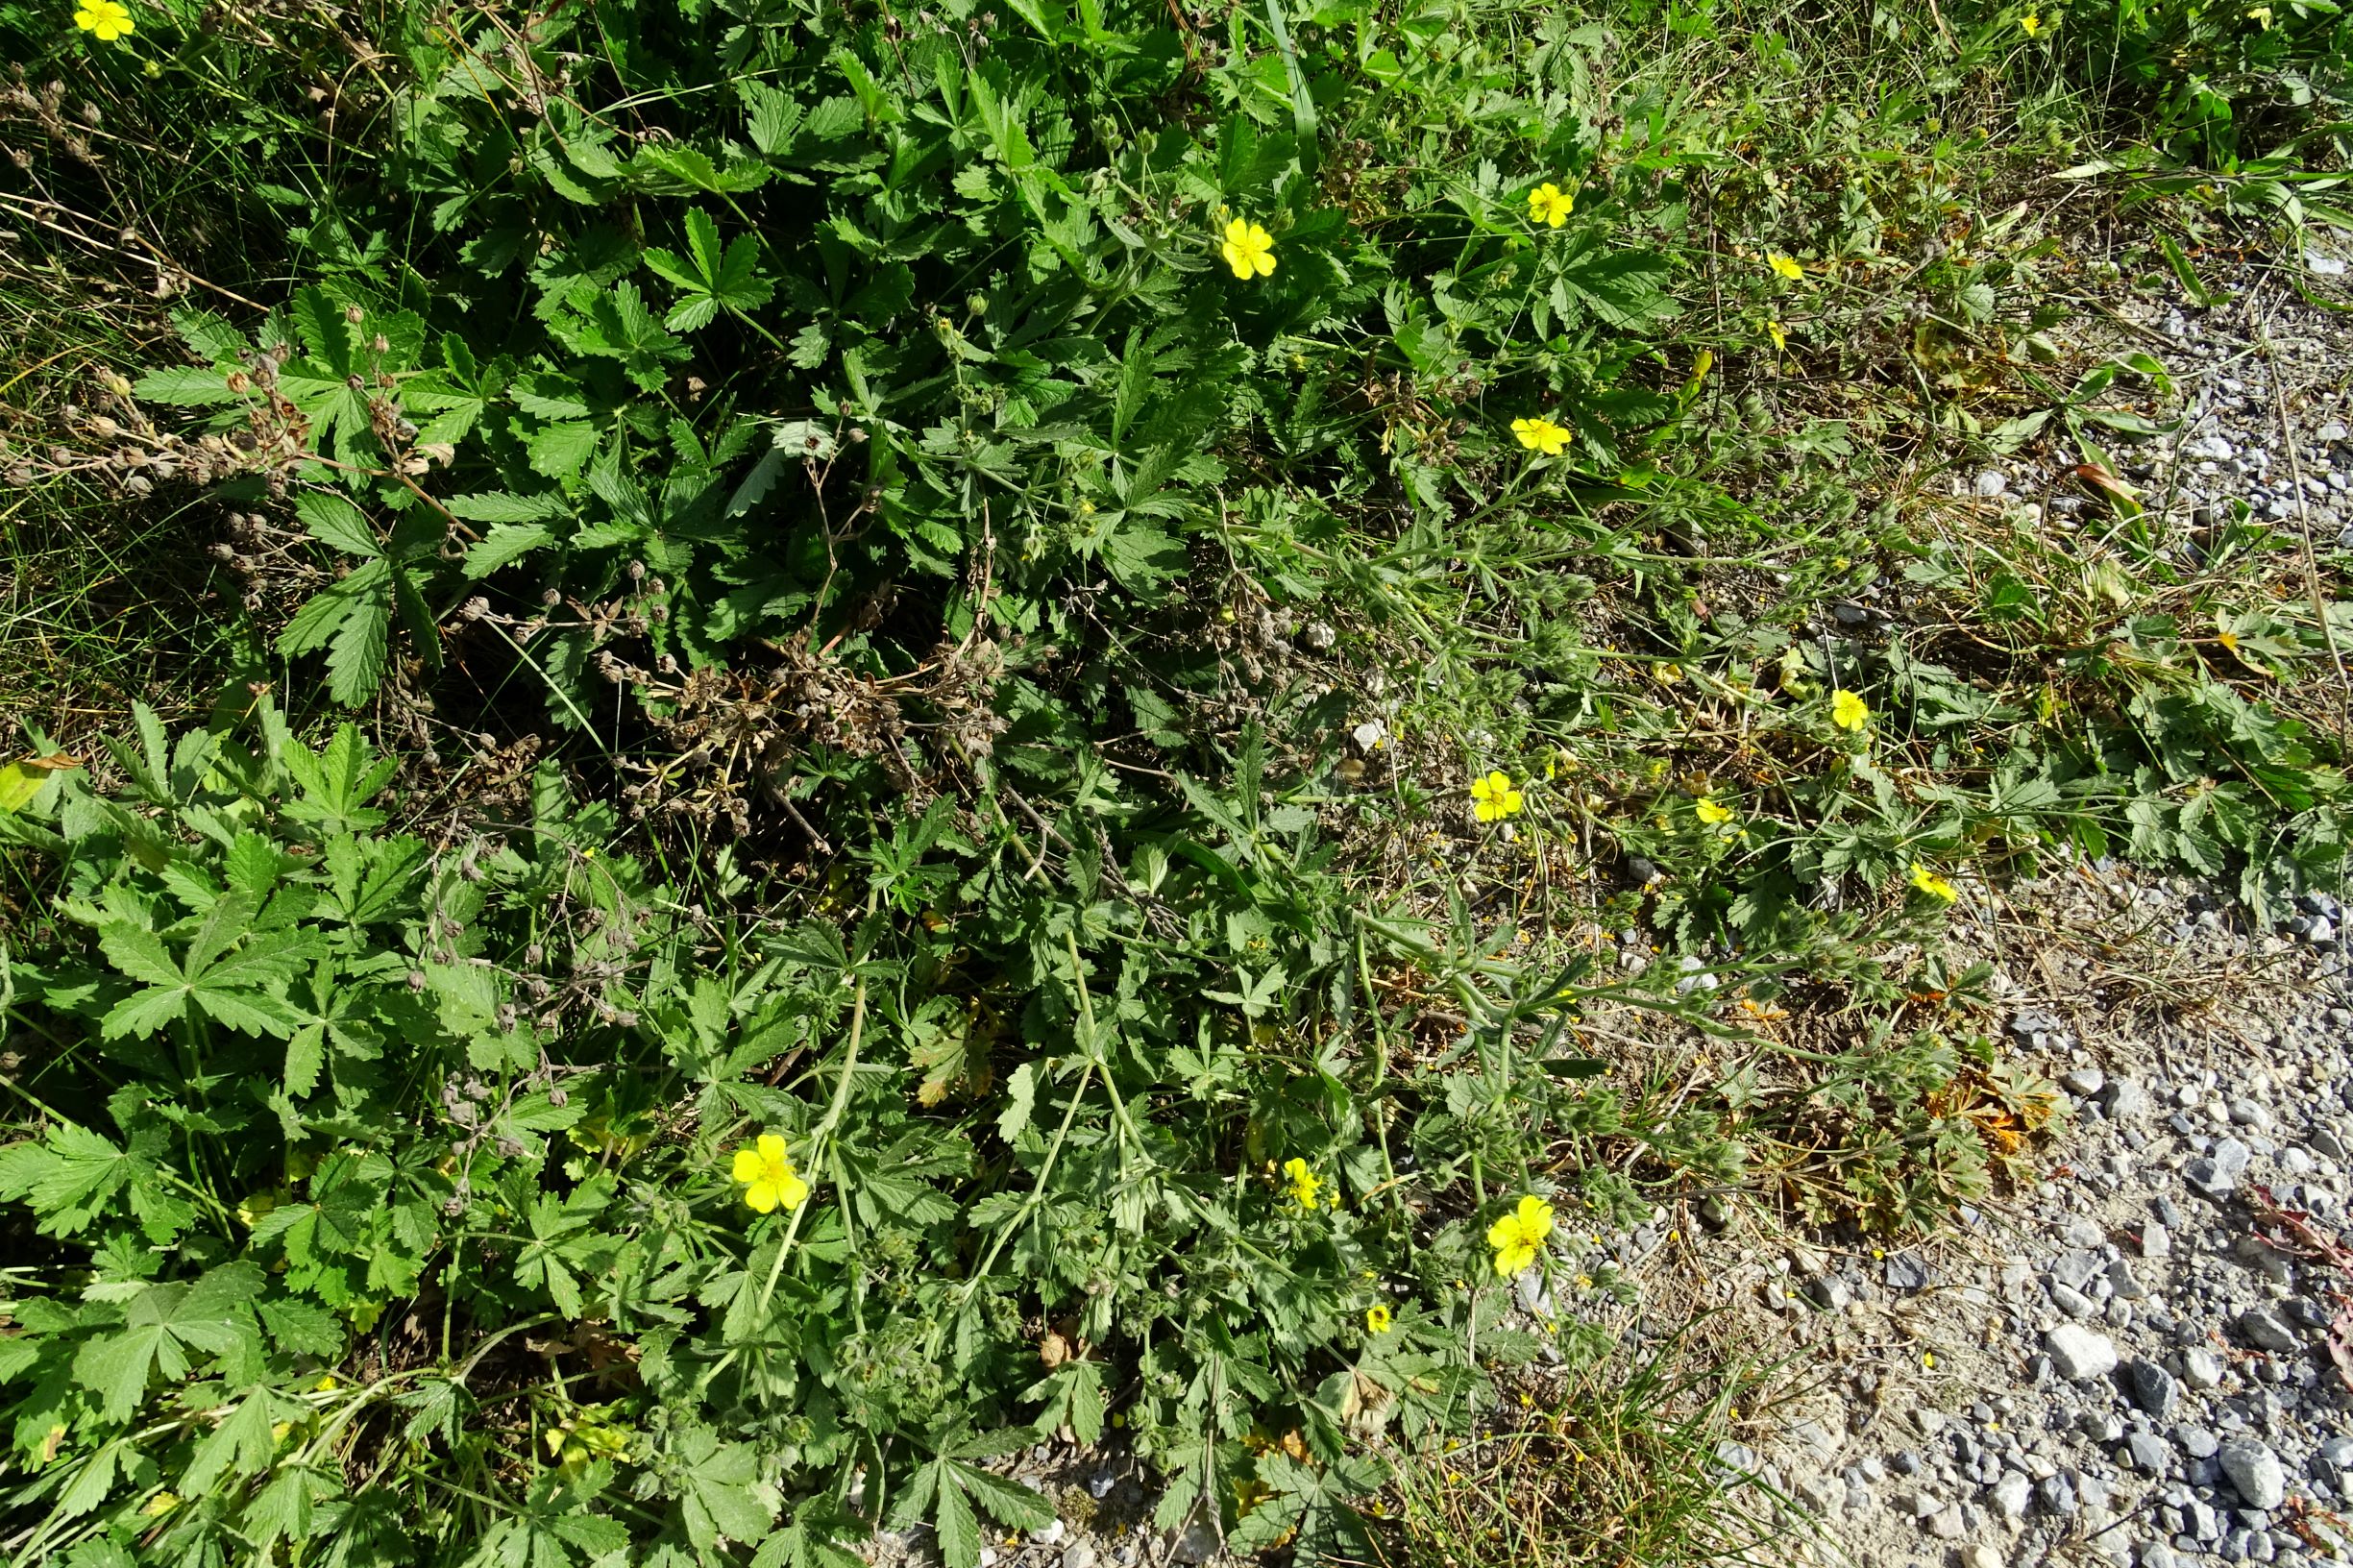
pixel 1979 1555
pixel 2255 1470
pixel 2083 1082
pixel 1079 1555
pixel 2074 1269
pixel 2011 1494
pixel 2079 1353
pixel 2196 1441
pixel 2152 1388
pixel 2156 1242
pixel 2056 1495
pixel 2072 1301
pixel 1904 1271
pixel 1829 1292
pixel 1991 483
pixel 1949 1522
pixel 2201 1368
pixel 2124 1281
pixel 2216 1173
pixel 2127 1100
pixel 2264 1330
pixel 2148 1452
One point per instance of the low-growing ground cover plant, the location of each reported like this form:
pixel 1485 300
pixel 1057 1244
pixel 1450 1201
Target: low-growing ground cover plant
pixel 996 654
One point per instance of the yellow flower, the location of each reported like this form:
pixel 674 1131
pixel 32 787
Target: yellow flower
pixel 1848 712
pixel 1549 205
pixel 2032 23
pixel 1712 814
pixel 1780 334
pixel 2261 16
pixel 1249 250
pixel 1933 885
pixel 1377 1319
pixel 1520 1235
pixel 1303 1182
pixel 1493 798
pixel 1786 266
pixel 766 1171
pixel 1541 435
pixel 106 19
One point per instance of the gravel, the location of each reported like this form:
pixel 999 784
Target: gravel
pixel 2124 1372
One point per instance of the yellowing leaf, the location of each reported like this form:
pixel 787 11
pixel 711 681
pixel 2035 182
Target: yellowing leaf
pixel 20 781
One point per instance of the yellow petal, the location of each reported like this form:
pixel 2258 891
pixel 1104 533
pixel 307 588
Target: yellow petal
pixel 1504 1233
pixel 747 1165
pixel 773 1150
pixel 761 1196
pixel 792 1190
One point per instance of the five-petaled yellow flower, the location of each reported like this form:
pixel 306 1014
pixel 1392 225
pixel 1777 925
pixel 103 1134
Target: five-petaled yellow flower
pixel 1712 814
pixel 1550 205
pixel 1520 1235
pixel 1493 797
pixel 1780 334
pixel 1541 435
pixel 1249 250
pixel 1305 1183
pixel 1933 885
pixel 2032 23
pixel 1377 1319
pixel 766 1171
pixel 1848 712
pixel 1786 266
pixel 108 19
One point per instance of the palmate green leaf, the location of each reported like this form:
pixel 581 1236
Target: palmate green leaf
pixel 714 1489
pixel 337 783
pixel 237 988
pixel 163 1325
pixel 285 1509
pixel 72 1175
pixel 1623 289
pixel 322 615
pixel 242 1443
pixel 712 278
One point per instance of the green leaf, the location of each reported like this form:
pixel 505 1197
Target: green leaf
pixel 361 648
pixel 242 1443
pixel 714 1491
pixel 504 544
pixel 958 1526
pixel 558 451
pixel 336 522
pixel 188 387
